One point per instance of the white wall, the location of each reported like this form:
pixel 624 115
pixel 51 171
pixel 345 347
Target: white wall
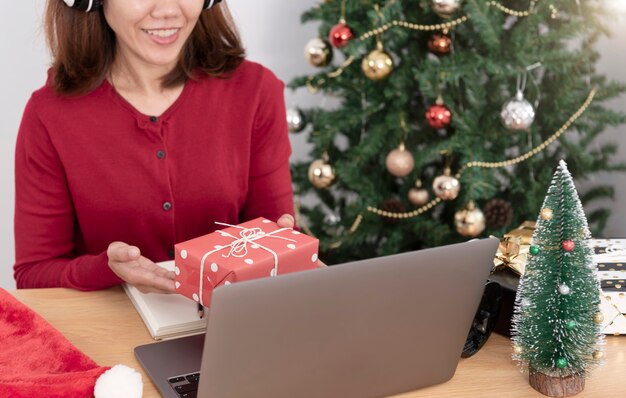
pixel 273 36
pixel 23 60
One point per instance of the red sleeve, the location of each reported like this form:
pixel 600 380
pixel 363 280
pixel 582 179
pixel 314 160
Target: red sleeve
pixel 44 221
pixel 270 193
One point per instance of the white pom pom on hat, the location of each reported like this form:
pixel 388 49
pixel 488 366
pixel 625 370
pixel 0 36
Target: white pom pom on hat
pixel 119 382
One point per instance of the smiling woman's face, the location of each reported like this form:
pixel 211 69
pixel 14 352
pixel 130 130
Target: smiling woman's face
pixel 151 33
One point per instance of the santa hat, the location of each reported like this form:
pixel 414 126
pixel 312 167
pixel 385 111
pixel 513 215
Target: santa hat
pixel 36 360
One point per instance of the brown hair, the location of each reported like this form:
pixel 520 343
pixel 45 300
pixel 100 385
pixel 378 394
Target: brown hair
pixel 83 48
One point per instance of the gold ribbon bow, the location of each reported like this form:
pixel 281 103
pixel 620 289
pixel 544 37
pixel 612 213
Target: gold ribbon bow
pixel 512 255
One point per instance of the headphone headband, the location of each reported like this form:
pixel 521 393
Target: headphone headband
pixel 92 5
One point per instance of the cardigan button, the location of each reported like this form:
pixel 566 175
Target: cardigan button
pixel 154 119
pixel 160 154
pixel 170 252
pixel 167 206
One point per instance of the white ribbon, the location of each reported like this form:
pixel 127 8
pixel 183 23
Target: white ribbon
pixel 239 247
pixel 613 251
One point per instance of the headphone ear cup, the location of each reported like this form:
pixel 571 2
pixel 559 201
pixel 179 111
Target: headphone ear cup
pixel 210 3
pixel 84 5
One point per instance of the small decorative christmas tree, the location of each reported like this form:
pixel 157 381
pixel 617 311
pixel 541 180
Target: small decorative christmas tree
pixel 555 324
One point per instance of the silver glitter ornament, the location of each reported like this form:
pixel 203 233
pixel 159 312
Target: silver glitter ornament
pixel 295 120
pixel 445 8
pixel 445 186
pixel 517 113
pixel 564 289
pixel 318 52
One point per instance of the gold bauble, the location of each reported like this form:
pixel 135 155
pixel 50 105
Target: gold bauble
pixel 418 196
pixel 399 161
pixel 318 52
pixel 469 221
pixel 546 213
pixel 446 187
pixel 517 350
pixel 597 355
pixel 377 65
pixel 598 317
pixel 321 174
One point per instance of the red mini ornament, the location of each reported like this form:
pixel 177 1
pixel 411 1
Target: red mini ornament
pixel 438 116
pixel 440 44
pixel 340 34
pixel 568 245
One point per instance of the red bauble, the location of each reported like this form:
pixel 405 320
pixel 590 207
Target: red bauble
pixel 568 245
pixel 340 35
pixel 440 44
pixel 438 116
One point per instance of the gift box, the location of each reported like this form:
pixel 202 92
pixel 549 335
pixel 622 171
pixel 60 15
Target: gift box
pixel 613 306
pixel 610 258
pixel 255 249
pixel 509 265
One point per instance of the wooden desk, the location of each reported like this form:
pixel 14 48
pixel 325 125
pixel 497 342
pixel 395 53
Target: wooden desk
pixel 105 326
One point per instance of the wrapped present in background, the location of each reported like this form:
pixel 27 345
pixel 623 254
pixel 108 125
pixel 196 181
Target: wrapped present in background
pixel 509 265
pixel 610 257
pixel 255 249
pixel 613 306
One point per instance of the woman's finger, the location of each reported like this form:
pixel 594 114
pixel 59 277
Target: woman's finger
pixel 286 221
pixel 154 277
pixel 122 252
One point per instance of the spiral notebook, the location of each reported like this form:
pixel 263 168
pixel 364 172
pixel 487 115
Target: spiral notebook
pixel 166 315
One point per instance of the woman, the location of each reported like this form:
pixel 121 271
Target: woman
pixel 151 126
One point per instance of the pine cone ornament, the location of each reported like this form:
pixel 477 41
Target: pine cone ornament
pixel 392 205
pixel 498 213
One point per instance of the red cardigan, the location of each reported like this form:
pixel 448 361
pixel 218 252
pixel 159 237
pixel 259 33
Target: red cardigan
pixel 91 170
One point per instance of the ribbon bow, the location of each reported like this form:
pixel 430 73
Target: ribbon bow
pixel 239 248
pixel 511 255
pixel 612 251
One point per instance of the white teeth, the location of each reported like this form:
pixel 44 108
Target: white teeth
pixel 161 32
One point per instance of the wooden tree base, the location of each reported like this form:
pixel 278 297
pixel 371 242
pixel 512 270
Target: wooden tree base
pixel 556 386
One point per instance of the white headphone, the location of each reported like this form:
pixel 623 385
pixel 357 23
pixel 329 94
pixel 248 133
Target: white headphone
pixel 91 5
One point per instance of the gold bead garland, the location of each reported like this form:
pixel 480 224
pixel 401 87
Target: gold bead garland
pixel 413 26
pixel 409 214
pixel 510 11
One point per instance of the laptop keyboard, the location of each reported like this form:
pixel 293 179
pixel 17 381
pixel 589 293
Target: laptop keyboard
pixel 186 386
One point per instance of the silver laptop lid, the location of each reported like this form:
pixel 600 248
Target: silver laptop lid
pixel 365 329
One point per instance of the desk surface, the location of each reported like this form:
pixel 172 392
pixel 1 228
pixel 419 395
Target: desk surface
pixel 111 328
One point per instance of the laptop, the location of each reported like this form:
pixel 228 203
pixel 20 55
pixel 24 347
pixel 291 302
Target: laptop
pixel 369 328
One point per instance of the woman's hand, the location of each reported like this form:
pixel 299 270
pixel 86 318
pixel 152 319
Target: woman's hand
pixel 287 221
pixel 127 262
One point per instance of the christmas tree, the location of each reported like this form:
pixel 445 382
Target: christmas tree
pixel 556 330
pixel 450 114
